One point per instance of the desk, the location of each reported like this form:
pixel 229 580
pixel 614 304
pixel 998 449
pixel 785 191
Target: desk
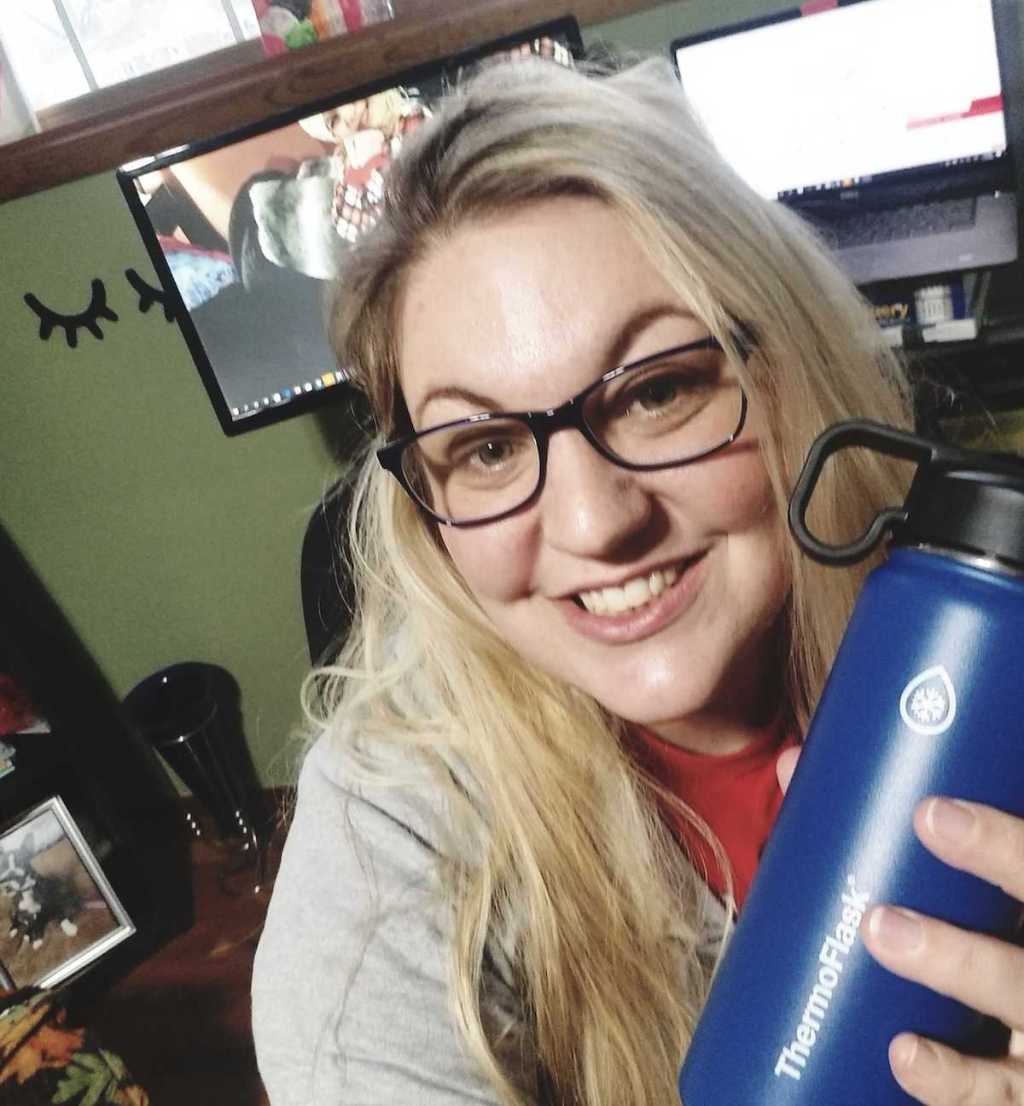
pixel 181 1019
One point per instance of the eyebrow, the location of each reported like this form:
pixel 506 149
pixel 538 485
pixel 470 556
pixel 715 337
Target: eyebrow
pixel 613 356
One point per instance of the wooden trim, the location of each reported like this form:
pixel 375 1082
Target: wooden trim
pixel 121 97
pixel 194 107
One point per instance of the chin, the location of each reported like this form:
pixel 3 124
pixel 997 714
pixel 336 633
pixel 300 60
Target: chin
pixel 637 715
pixel 649 705
pixel 673 681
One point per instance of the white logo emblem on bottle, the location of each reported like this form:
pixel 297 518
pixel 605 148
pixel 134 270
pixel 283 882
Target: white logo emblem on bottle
pixel 928 702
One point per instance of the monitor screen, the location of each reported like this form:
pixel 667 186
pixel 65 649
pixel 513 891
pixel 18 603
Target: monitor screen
pixel 838 93
pixel 248 230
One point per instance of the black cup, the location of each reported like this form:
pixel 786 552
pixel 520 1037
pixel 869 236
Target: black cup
pixel 177 711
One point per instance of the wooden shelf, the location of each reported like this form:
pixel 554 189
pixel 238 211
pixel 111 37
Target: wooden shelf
pixel 188 103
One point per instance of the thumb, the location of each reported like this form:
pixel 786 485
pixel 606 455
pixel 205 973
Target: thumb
pixel 785 766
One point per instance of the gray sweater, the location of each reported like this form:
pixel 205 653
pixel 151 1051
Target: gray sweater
pixel 350 985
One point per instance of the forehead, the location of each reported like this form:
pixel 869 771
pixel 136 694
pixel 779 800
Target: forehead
pixel 530 305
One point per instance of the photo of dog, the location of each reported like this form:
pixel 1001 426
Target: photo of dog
pixel 57 910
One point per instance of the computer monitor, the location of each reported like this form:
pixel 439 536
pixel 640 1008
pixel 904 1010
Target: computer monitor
pixel 248 230
pixel 841 93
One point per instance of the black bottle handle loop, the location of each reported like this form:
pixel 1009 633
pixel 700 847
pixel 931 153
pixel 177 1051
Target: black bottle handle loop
pixel 844 435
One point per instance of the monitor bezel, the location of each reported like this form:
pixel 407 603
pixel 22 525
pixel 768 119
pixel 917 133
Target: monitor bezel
pixel 999 172
pixel 565 27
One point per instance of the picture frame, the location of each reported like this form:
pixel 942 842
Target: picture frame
pixel 59 912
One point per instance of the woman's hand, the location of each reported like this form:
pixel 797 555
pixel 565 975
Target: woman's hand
pixel 984 973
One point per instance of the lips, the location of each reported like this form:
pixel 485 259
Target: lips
pixel 634 593
pixel 651 612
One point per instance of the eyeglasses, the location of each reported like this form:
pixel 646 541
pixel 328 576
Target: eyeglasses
pixel 664 411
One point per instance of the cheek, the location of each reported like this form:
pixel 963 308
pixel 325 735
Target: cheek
pixel 734 495
pixel 495 561
pixel 739 505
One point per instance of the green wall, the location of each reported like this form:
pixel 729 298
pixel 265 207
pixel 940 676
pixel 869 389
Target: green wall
pixel 655 29
pixel 162 539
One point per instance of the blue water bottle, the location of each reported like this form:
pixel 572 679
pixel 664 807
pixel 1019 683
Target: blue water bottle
pixel 921 700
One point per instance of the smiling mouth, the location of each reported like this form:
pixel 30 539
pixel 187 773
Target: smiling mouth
pixel 633 594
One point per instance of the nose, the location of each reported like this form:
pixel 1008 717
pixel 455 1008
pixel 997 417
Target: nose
pixel 590 506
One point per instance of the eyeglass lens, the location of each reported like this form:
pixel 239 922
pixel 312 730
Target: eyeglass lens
pixel 661 413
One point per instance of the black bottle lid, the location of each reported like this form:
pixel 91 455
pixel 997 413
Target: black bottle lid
pixel 975 507
pixel 960 499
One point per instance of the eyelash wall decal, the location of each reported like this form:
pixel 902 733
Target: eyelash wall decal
pixel 148 295
pixel 71 324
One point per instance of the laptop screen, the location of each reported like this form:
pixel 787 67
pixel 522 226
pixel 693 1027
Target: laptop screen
pixel 839 94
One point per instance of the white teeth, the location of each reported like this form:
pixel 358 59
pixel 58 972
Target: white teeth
pixel 637 592
pixel 616 600
pixel 634 593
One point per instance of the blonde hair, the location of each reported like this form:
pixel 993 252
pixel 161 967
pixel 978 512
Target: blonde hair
pixel 560 873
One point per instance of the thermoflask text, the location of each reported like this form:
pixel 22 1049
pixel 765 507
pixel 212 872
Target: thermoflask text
pixel 921 700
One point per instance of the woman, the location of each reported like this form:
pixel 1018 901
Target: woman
pixel 566 619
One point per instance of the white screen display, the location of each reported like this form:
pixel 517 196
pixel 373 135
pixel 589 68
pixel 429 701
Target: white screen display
pixel 850 92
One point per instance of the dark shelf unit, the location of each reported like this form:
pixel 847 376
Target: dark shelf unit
pixel 116 791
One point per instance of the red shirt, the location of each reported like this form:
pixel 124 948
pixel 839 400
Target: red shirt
pixel 738 795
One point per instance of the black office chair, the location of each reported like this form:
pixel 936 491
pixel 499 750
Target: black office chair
pixel 327 589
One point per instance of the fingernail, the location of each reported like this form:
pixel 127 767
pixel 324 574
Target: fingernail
pixel 949 819
pixel 903 1052
pixel 895 929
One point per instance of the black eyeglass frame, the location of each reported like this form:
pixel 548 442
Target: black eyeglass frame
pixel 542 424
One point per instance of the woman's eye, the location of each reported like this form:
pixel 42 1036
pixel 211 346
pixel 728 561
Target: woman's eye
pixel 486 454
pixel 493 453
pixel 658 393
